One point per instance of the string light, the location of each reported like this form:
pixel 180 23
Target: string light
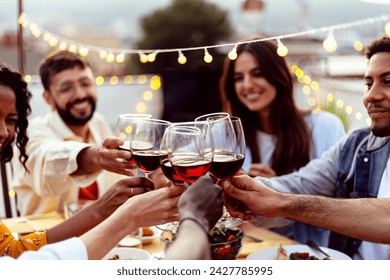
pixel 207 56
pixel 330 44
pixel 110 57
pixel 233 53
pixel 143 57
pixel 152 57
pixel 181 59
pixel 282 49
pixel 23 20
pixel 120 58
pixel 387 29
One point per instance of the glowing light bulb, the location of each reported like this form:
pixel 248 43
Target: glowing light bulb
pixel 330 44
pixel 207 56
pixel 103 54
pixel 181 59
pixel 143 57
pixel 72 48
pixel 110 57
pixel 358 45
pixel 63 46
pixel 53 41
pixel 152 57
pixel 83 51
pixel 120 58
pixel 232 55
pixel 282 49
pixel 387 29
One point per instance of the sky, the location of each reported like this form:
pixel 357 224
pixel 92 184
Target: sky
pixel 121 16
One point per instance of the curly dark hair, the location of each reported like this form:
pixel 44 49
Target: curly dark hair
pixel 293 146
pixel 378 45
pixel 15 81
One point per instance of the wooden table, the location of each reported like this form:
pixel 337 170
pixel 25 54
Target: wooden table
pixel 270 238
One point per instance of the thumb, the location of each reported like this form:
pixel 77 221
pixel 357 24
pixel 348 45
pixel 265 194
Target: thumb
pixel 232 190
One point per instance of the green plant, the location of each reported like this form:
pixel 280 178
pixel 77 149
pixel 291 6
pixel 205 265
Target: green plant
pixel 331 107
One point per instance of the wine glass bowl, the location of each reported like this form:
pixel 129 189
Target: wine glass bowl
pixel 190 151
pixel 145 144
pixel 229 144
pixel 125 128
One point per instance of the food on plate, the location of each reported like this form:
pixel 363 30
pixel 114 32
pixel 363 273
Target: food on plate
pixel 147 231
pixel 116 257
pixel 225 243
pixel 282 255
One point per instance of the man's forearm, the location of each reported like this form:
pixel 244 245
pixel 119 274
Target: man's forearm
pixel 363 218
pixel 87 161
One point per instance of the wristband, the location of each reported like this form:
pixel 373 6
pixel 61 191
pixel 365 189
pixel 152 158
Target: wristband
pixel 194 220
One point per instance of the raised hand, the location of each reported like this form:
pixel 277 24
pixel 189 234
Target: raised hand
pixel 202 201
pixel 258 198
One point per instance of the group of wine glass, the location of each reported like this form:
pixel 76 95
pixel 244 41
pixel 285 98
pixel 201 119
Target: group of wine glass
pixel 185 151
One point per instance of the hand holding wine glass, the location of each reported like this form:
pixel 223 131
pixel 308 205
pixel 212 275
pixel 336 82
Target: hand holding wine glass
pixel 229 154
pixel 125 128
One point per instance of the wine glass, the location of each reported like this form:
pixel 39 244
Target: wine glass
pixel 229 155
pixel 190 150
pixel 170 173
pixel 125 128
pixel 145 144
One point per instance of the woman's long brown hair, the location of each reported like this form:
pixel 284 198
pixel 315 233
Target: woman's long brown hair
pixel 293 144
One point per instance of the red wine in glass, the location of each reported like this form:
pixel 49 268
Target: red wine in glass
pixel 147 161
pixel 226 164
pixel 190 169
pixel 170 172
pixel 126 147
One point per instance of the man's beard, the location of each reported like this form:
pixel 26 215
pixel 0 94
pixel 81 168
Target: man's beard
pixel 70 119
pixel 382 131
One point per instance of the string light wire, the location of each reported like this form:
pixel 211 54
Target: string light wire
pixel 24 21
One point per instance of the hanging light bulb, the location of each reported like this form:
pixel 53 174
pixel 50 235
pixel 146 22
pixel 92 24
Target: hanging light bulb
pixel 207 56
pixel 152 57
pixel 103 54
pixel 387 29
pixel 53 41
pixel 143 57
pixel 62 46
pixel 83 51
pixel 181 59
pixel 110 57
pixel 233 53
pixel 73 48
pixel 330 44
pixel 120 58
pixel 282 49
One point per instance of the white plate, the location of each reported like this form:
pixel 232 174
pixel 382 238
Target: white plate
pixel 128 253
pixel 149 239
pixel 271 253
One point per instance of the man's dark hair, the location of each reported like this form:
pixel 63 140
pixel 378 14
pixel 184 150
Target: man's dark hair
pixel 378 45
pixel 58 62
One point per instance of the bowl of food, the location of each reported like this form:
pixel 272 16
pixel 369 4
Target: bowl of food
pixel 225 243
pixel 149 234
pixel 127 253
pixel 166 239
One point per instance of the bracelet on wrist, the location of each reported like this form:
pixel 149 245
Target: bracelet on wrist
pixel 195 221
